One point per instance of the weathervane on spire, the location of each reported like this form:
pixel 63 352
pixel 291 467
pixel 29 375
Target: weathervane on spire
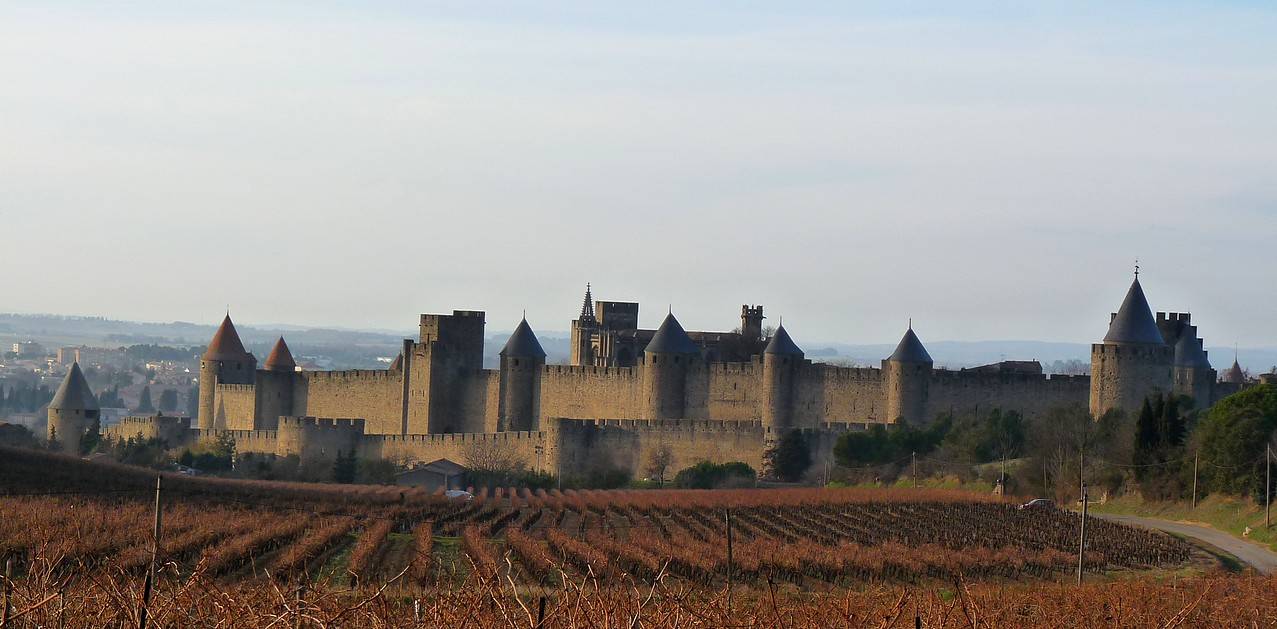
pixel 1137 268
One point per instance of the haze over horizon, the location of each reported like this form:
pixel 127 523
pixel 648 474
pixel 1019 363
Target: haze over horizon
pixel 991 171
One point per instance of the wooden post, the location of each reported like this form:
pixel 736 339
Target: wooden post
pixel 727 517
pixel 297 605
pixel 1081 544
pixel 151 571
pixel 540 612
pixel 8 589
pixel 914 457
pixel 1194 479
pixel 1268 485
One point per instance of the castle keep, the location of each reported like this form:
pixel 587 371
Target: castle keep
pixel 703 395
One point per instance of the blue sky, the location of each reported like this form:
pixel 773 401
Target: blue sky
pixel 991 170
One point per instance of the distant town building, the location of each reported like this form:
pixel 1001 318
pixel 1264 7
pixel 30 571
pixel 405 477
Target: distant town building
pixel 28 349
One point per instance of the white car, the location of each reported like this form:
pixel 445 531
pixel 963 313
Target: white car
pixel 459 494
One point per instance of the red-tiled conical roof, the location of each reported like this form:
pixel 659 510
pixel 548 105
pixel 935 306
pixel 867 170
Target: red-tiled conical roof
pixel 226 344
pixel 397 363
pixel 280 358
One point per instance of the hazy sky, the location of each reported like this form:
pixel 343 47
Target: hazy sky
pixel 991 171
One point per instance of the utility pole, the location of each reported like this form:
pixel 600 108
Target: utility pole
pixel 914 456
pixel 1194 479
pixel 727 517
pixel 152 570
pixel 1081 544
pixel 1081 465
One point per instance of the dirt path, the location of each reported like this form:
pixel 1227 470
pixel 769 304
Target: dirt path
pixel 1250 553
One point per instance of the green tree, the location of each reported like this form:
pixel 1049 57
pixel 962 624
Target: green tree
pixel 144 404
pixel 790 458
pixel 168 400
pixel 707 475
pixel 92 436
pixel 345 468
pixel 1233 436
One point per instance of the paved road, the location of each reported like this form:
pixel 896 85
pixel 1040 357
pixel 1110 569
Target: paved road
pixel 1263 560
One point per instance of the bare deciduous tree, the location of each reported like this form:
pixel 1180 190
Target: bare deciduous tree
pixel 658 462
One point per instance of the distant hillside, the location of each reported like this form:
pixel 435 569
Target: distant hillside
pixel 346 348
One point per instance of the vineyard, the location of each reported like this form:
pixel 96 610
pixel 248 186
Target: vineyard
pixel 87 529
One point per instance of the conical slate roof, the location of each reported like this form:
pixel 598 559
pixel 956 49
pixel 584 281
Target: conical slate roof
pixel 280 358
pixel 1134 321
pixel 74 393
pixel 910 350
pixel 1235 374
pixel 226 344
pixel 782 344
pixel 1188 353
pixel 397 363
pixel 523 343
pixel 670 338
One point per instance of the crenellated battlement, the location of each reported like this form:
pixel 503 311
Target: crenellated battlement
pixel 202 434
pixel 749 367
pixel 849 373
pixel 1141 351
pixel 354 374
pixel 148 420
pixel 590 370
pixel 700 425
pixel 983 378
pixel 322 423
pixel 459 437
pixel 242 388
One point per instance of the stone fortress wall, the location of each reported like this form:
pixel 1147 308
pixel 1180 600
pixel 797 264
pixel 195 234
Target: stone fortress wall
pixel 437 401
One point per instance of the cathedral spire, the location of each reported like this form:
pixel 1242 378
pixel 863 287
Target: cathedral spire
pixel 587 308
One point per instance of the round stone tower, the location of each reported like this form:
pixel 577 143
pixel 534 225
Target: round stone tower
pixel 1193 375
pixel 667 359
pixel 907 379
pixel 225 362
pixel 275 386
pixel 1133 361
pixel 781 360
pixel 72 410
pixel 522 361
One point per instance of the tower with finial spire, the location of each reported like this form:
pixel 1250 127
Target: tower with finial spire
pixel 522 361
pixel 907 380
pixel 782 358
pixel 225 362
pixel 668 360
pixel 1134 359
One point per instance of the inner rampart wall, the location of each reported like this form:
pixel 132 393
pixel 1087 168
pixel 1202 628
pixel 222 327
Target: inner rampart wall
pixel 826 393
pixel 1030 394
pixel 590 392
pixel 374 395
pixel 235 406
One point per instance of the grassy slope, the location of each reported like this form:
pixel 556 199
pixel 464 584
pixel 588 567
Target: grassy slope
pixel 1220 512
